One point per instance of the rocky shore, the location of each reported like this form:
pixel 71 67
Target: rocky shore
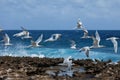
pixel 28 68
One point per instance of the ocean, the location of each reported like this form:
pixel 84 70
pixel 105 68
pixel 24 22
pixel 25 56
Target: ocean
pixel 61 48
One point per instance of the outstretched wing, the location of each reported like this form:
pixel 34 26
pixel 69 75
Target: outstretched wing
pixel 23 28
pixel 95 42
pixel 56 36
pixel 82 49
pixel 20 34
pixel 39 39
pixel 112 38
pixel 115 43
pixel 86 49
pixel 87 53
pixel 26 31
pixel 108 39
pixel 6 38
pixel 72 42
pixel 97 36
pixel 85 32
pixel 66 60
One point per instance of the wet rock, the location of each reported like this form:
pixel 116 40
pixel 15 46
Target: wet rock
pixel 27 68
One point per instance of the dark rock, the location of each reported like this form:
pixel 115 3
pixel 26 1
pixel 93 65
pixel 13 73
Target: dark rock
pixel 35 69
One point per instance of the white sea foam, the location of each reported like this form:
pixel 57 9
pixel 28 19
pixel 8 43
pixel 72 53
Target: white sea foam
pixel 20 50
pixel 35 55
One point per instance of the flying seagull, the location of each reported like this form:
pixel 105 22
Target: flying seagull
pixel 115 43
pixel 85 33
pixel 79 25
pixel 36 43
pixel 6 40
pixel 73 44
pixel 25 33
pixel 20 33
pixel 86 49
pixel 53 37
pixel 96 41
pixel 68 62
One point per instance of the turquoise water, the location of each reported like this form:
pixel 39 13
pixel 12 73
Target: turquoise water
pixel 61 48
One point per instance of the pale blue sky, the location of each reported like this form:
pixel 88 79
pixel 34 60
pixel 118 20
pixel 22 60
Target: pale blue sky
pixel 59 14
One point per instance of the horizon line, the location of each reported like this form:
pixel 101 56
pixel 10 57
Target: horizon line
pixel 59 29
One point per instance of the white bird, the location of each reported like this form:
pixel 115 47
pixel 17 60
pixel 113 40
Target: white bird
pixel 53 37
pixel 6 40
pixel 20 34
pixel 68 62
pixel 85 33
pixel 25 33
pixel 73 45
pixel 115 43
pixel 36 43
pixel 96 41
pixel 57 36
pixel 86 49
pixel 79 25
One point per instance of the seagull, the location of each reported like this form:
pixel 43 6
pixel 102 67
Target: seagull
pixel 68 62
pixel 96 41
pixel 25 33
pixel 73 45
pixel 79 25
pixel 6 40
pixel 86 49
pixel 53 37
pixel 57 36
pixel 85 33
pixel 36 43
pixel 115 43
pixel 20 33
